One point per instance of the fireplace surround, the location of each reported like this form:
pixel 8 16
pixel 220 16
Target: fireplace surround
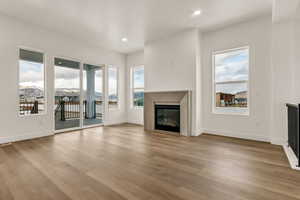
pixel 178 100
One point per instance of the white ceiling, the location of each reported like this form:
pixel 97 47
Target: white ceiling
pixel 105 22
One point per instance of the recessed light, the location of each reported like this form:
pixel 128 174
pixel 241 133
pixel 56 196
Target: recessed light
pixel 197 12
pixel 124 39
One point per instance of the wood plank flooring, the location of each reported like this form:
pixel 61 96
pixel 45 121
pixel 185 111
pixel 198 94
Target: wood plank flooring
pixel 124 162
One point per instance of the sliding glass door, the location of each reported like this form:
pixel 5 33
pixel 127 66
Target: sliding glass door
pixel 75 106
pixel 93 95
pixel 67 94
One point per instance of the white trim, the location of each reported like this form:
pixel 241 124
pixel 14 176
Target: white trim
pixel 231 82
pixel 81 95
pixel 45 81
pixel 135 122
pixel 278 141
pixel 68 130
pixel 196 133
pixel 160 91
pixel 115 123
pixel 291 157
pixel 8 139
pixel 93 126
pixel 232 111
pixel 225 112
pixel 248 136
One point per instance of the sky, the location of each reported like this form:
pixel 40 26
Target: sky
pixel 138 78
pixel 232 66
pixel 112 81
pixel 31 74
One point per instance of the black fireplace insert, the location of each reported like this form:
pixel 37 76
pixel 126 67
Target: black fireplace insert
pixel 167 118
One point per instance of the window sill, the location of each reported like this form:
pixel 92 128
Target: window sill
pixel 114 108
pixel 232 111
pixel 137 107
pixel 32 115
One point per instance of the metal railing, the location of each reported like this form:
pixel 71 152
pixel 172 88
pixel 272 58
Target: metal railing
pixel 27 108
pixel 71 110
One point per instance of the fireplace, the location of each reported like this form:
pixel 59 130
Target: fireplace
pixel 167 118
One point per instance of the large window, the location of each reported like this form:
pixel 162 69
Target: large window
pixel 113 98
pixel 137 74
pixel 31 83
pixel 231 76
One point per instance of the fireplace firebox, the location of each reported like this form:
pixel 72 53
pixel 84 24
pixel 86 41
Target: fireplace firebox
pixel 167 118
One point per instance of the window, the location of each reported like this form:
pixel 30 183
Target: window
pixel 231 74
pixel 137 74
pixel 31 83
pixel 113 98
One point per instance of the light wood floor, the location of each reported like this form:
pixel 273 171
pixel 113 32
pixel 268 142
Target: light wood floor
pixel 123 162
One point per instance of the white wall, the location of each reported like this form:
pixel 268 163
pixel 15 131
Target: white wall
pixel 282 79
pixel 296 43
pixel 171 64
pixel 15 33
pixel 134 115
pixel 256 34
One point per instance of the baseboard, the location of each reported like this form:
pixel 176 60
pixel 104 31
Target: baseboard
pixel 235 135
pixel 135 122
pixel 197 133
pixel 291 157
pixel 9 139
pixel 278 141
pixel 114 123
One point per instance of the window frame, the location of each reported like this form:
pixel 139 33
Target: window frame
pixel 132 70
pixel 19 48
pixel 231 110
pixel 108 85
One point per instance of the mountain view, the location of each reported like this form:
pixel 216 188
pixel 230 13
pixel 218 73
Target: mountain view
pixel 33 93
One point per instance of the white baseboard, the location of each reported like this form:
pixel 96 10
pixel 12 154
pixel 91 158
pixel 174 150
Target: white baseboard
pixel 291 157
pixel 135 122
pixel 9 139
pixel 278 141
pixel 114 123
pixel 236 135
pixel 197 133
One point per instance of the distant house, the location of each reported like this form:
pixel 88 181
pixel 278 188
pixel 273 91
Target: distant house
pixel 241 98
pixel 224 99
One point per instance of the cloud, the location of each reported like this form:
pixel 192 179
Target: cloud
pixel 98 81
pixel 231 88
pixel 112 81
pixel 66 73
pixel 139 78
pixel 31 74
pixel 232 66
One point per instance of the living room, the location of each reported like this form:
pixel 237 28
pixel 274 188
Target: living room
pixel 197 99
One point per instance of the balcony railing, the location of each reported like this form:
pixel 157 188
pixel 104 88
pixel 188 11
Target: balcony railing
pixel 27 108
pixel 68 110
